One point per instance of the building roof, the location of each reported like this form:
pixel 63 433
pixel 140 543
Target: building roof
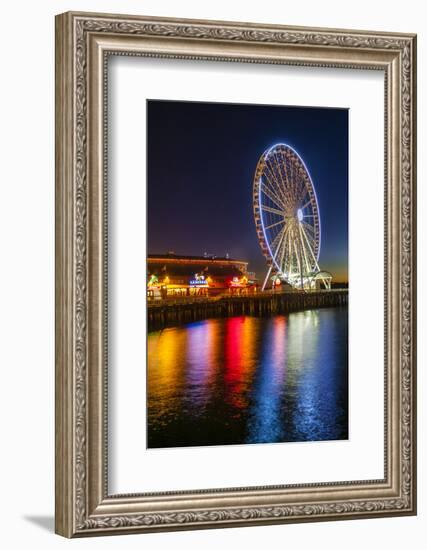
pixel 171 257
pixel 157 267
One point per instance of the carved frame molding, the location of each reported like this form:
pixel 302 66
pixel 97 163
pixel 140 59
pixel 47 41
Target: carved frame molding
pixel 83 44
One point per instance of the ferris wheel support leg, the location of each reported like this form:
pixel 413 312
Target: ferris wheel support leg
pixel 266 278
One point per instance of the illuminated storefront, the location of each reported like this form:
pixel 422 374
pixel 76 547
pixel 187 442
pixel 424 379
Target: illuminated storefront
pixel 172 276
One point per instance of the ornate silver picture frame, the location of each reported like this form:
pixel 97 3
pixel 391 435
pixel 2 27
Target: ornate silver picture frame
pixel 84 42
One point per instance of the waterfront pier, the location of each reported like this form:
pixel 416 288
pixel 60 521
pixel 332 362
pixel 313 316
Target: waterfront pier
pixel 167 313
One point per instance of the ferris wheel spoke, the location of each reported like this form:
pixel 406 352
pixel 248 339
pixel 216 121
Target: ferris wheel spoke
pixel 275 183
pixel 276 242
pixel 313 232
pixel 281 248
pixel 272 196
pixel 311 241
pixel 292 178
pixel 274 224
pixel 308 226
pixel 281 261
pixel 273 187
pixel 297 187
pixel 284 250
pixel 283 187
pixel 306 204
pixel 272 210
pixel 289 255
pixel 293 263
pixel 307 262
pixel 302 187
pixel 275 175
pixel 286 178
pixel 296 191
pixel 293 186
pixel 298 258
pixel 310 248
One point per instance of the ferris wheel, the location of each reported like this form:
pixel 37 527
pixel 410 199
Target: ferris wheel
pixel 287 219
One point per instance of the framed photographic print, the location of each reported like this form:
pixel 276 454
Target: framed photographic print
pixel 235 274
pixel 243 323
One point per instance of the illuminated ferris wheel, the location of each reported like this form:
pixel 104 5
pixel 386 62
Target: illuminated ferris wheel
pixel 287 219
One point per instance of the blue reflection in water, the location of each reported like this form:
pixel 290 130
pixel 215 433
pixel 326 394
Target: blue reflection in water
pixel 249 380
pixel 265 424
pixel 318 367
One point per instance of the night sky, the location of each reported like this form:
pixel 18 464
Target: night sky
pixel 201 164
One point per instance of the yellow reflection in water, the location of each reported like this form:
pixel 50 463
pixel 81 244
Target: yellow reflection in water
pixel 164 368
pixel 303 333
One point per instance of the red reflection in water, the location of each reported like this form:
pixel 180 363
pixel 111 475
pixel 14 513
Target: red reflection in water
pixel 279 343
pixel 239 343
pixel 233 354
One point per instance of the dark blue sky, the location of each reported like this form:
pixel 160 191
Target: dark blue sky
pixel 201 164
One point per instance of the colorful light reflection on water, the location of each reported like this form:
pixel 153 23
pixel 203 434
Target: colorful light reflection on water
pixel 249 380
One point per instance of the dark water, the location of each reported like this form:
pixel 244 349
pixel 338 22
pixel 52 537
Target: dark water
pixel 249 380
